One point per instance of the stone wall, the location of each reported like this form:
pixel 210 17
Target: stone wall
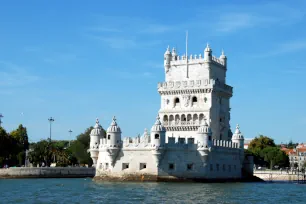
pixel 47 172
pixel 280 176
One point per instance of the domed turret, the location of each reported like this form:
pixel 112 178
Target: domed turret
pixel 158 134
pixel 96 134
pixel 207 53
pixel 174 54
pixel 113 134
pixel 204 135
pixel 167 59
pixel 223 58
pixel 204 141
pixel 238 137
pixel 158 137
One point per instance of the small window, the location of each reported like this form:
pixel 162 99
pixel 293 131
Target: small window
pixel 194 99
pixel 190 140
pixel 106 165
pixel 220 119
pixel 189 167
pixel 211 167
pixel 217 167
pixel 108 137
pixel 156 136
pixel 142 166
pixel 177 101
pixel 181 140
pixel 209 138
pixel 220 136
pixel 104 136
pixel 171 166
pixel 125 166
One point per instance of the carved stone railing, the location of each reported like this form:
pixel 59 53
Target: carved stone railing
pixel 182 123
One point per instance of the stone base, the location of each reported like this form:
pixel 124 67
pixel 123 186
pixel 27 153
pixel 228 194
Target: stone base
pixel 155 178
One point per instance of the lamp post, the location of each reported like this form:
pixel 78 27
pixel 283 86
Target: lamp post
pixel 70 131
pixel 50 120
pixel 1 116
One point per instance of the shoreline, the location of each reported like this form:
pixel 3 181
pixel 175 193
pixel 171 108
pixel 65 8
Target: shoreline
pixel 47 172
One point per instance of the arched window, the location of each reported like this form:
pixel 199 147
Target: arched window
pixel 194 99
pixel 176 101
pixel 156 136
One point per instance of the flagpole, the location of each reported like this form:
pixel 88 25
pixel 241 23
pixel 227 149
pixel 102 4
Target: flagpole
pixel 187 74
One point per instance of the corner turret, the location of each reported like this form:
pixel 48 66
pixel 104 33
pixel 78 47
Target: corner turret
pixel 204 141
pixel 208 53
pixel 158 134
pixel 113 141
pixel 174 54
pixel 238 137
pixel 158 137
pixel 223 58
pixel 96 134
pixel 204 135
pixel 167 59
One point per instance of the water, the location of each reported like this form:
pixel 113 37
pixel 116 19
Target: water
pixel 87 191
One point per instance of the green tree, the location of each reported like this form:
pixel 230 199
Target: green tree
pixel 41 153
pixel 275 157
pixel 20 139
pixel 265 152
pixel 79 148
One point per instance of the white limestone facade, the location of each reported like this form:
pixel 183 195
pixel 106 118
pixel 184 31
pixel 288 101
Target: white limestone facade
pixel 191 138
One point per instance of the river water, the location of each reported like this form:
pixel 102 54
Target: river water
pixel 88 191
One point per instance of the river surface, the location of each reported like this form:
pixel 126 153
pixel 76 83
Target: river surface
pixel 88 191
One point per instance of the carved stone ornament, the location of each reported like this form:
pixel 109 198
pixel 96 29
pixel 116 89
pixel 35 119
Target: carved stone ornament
pixel 198 82
pixel 191 83
pixel 186 99
pixel 185 84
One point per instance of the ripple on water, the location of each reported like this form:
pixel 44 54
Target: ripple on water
pixel 87 191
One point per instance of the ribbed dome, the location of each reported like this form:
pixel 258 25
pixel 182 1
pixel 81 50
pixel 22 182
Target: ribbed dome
pixel 237 134
pixel 173 52
pixel 204 129
pixel 158 127
pixel 114 127
pixel 168 51
pixel 222 56
pixel 207 49
pixel 97 130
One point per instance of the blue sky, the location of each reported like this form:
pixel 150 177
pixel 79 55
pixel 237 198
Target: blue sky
pixel 76 61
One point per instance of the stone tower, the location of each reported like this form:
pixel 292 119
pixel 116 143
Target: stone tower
pixel 195 88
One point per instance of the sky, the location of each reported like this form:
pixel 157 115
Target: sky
pixel 78 61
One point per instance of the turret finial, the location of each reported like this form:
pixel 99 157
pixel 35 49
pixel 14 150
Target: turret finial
pixel 114 118
pixel 222 52
pixel 207 45
pixel 97 120
pixel 168 48
pixel 237 131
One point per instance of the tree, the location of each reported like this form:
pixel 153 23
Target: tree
pixel 41 153
pixel 20 139
pixel 259 143
pixel 275 157
pixel 79 148
pixel 266 153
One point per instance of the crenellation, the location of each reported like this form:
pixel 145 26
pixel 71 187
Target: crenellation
pixel 189 137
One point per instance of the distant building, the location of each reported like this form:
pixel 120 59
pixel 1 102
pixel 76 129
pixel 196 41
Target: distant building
pixel 191 138
pixel 247 141
pixel 297 156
